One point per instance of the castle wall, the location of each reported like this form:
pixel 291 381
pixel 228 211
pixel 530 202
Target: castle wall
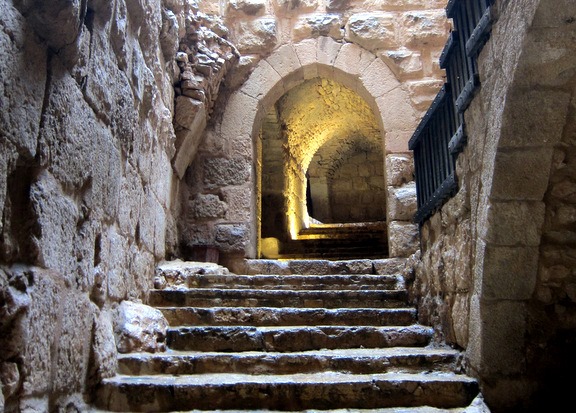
pixel 86 185
pixel 493 274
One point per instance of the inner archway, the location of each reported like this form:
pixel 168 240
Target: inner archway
pixel 321 150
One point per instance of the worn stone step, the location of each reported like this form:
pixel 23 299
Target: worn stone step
pixel 297 282
pixel 287 316
pixel 357 361
pixel 328 390
pixel 326 267
pixel 200 297
pixel 297 338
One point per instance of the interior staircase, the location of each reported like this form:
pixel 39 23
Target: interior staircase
pixel 296 335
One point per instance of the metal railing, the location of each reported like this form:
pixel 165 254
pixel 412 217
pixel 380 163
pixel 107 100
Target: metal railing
pixel 441 134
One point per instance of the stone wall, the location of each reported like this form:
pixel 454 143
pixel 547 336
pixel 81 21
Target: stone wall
pixel 386 51
pixel 495 273
pixel 86 185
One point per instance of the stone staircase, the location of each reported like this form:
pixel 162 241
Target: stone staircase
pixel 292 335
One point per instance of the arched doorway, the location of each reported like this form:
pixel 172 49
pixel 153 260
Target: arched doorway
pixel 322 150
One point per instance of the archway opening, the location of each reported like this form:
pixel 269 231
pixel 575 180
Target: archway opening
pixel 321 173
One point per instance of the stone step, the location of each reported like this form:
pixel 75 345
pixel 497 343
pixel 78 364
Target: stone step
pixel 327 390
pixel 357 361
pixel 297 338
pixel 323 267
pixel 287 316
pixel 200 297
pixel 299 282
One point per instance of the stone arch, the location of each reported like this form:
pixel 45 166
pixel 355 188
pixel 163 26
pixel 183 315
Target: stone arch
pixel 529 120
pixel 288 66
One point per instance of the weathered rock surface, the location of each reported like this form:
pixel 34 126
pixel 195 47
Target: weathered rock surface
pixel 138 327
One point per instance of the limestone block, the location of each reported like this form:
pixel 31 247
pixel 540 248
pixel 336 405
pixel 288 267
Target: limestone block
pixel 389 266
pixel 423 92
pixel 421 28
pixel 397 141
pixel 256 36
pixel 208 206
pixel 104 360
pixel 353 59
pixel 534 118
pixel 284 60
pixel 307 52
pixel 247 7
pixel 460 318
pixel 290 7
pixel 402 202
pixel 403 62
pixel 239 201
pixel 316 25
pixel 220 172
pixel 9 380
pixel 67 143
pixel 192 113
pixel 129 209
pixel 379 81
pixel 169 34
pixel 514 223
pixel 373 31
pixel 396 111
pixel 501 267
pixel 242 115
pixel 501 335
pixel 114 258
pixel 326 53
pixel 240 72
pixel 404 4
pixel 57 216
pixel 232 238
pixel 399 169
pixel 27 74
pixel 43 315
pixel 138 327
pixel 72 343
pixel 56 21
pixel 402 239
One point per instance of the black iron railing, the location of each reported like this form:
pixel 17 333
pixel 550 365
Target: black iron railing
pixel 441 135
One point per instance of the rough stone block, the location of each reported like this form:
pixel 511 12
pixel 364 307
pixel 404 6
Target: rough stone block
pixel 188 138
pixel 428 28
pixel 72 342
pixel 396 111
pixel 403 62
pixel 256 36
pixel 27 74
pixel 247 7
pixel 232 238
pixel 44 315
pixel 316 25
pixel 208 206
pixel 402 239
pixel 138 327
pixel 372 30
pixel 399 169
pixel 57 215
pixel 402 203
pixel 220 172
pixel 239 201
